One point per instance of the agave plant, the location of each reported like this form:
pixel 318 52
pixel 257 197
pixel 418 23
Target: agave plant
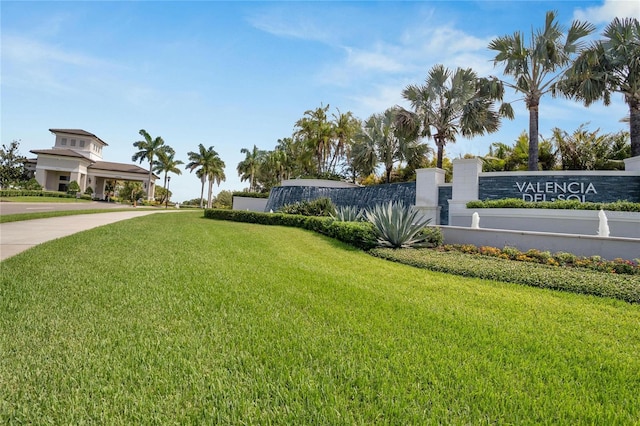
pixel 397 225
pixel 347 214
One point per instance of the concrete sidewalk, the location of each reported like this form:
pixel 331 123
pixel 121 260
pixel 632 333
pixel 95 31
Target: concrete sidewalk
pixel 16 237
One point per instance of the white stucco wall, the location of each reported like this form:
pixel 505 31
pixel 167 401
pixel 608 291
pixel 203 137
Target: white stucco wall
pixel 249 203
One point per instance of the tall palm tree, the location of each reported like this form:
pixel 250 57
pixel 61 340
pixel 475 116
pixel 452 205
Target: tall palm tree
pixel 536 67
pixel 215 173
pixel 166 163
pixel 315 130
pixel 208 166
pixel 248 168
pixel 382 135
pixel 611 65
pixel 451 103
pixel 147 150
pixel 345 127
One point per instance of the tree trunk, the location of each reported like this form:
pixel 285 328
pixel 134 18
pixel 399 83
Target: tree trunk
pixel 202 194
pixel 210 194
pixel 533 134
pixel 440 146
pixel 634 126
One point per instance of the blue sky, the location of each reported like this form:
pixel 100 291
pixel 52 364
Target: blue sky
pixel 235 74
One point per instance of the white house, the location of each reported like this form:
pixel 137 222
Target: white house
pixel 77 156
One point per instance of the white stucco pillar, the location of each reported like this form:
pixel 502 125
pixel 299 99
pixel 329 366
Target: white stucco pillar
pixel 41 177
pixel 632 164
pixel 427 182
pixel 466 179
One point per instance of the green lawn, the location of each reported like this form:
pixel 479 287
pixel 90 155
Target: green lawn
pixel 178 319
pixel 31 199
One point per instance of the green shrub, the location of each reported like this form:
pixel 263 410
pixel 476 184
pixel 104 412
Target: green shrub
pixel 576 280
pixel 517 203
pixel 31 193
pixel 249 194
pixel 73 188
pixel 397 225
pixel 89 190
pixel 597 263
pixel 32 185
pixel 317 207
pixel 432 235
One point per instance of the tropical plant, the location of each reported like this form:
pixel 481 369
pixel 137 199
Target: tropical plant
pixel 166 163
pixel 348 214
pixel 248 168
pixel 537 67
pixel 451 103
pixel 315 131
pixel 318 207
pixel 208 166
pixel 607 66
pixel 397 225
pixel 382 141
pixel 131 191
pixel 148 150
pixel 585 150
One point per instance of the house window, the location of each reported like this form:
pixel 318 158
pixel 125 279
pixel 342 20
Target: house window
pixel 73 142
pixel 63 141
pixel 81 143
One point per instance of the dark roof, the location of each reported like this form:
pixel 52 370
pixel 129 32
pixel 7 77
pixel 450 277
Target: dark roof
pixel 60 152
pixel 119 167
pixel 79 132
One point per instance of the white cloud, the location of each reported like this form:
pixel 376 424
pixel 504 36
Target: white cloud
pixel 34 53
pixel 282 22
pixel 609 10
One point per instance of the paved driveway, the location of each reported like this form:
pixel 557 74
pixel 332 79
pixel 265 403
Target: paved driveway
pixel 16 237
pixel 14 208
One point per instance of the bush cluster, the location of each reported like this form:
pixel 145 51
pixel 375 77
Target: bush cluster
pixel 517 203
pixel 597 263
pixel 357 234
pixel 575 280
pixel 317 207
pixel 249 194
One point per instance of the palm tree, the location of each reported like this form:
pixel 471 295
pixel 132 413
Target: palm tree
pixel 248 168
pixel 345 127
pixel 381 140
pixel 208 166
pixel 537 67
pixel 215 173
pixel 451 103
pixel 316 132
pixel 611 65
pixel 148 149
pixel 166 163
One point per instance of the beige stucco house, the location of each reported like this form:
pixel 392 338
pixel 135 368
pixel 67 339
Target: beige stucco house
pixel 77 155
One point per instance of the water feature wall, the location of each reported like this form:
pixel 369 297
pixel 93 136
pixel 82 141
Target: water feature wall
pixel 362 197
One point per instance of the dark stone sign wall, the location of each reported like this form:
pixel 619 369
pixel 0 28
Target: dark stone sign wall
pixel 362 198
pixel 444 195
pixel 597 189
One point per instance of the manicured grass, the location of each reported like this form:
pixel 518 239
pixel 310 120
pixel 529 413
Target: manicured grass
pixel 31 199
pixel 41 215
pixel 177 319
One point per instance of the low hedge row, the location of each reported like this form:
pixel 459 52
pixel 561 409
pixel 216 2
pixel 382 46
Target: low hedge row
pixel 575 280
pixel 251 194
pixel 357 234
pixel 517 203
pixel 32 193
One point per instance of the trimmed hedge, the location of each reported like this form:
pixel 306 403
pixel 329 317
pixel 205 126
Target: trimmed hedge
pixel 32 193
pixel 357 234
pixel 517 203
pixel 578 280
pixel 251 194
